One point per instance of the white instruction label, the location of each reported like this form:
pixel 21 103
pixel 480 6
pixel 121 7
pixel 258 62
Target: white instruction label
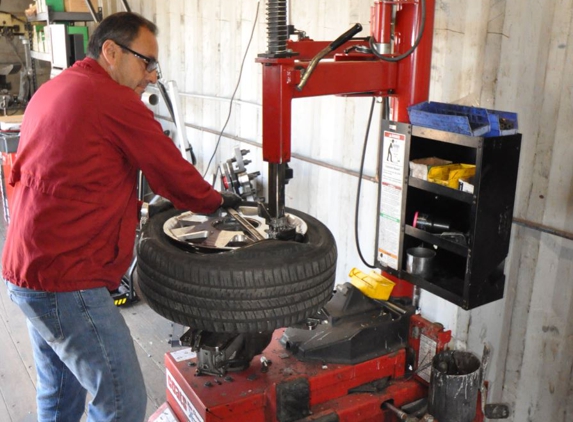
pixel 165 416
pixel 182 400
pixel 425 355
pixel 183 354
pixel 394 150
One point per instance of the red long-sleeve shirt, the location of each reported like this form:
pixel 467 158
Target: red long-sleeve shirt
pixel 74 210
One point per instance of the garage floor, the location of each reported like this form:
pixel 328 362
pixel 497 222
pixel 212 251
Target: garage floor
pixel 150 332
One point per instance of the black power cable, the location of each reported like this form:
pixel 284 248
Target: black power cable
pixel 235 91
pixel 356 239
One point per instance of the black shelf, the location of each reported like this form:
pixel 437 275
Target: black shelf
pixel 450 288
pixel 62 17
pixel 458 195
pixel 457 248
pixel 448 137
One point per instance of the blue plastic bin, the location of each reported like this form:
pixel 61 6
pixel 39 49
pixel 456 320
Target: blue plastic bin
pixel 502 123
pixel 472 121
pixel 455 118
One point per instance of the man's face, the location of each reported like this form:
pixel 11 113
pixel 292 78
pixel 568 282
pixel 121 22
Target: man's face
pixel 131 70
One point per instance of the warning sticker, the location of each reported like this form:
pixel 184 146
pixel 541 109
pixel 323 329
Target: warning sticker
pixel 182 400
pixel 394 147
pixel 425 356
pixel 183 354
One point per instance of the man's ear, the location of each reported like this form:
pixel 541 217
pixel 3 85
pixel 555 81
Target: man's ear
pixel 109 52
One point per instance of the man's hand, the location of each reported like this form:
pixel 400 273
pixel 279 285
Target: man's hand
pixel 230 199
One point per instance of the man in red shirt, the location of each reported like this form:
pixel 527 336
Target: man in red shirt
pixel 84 137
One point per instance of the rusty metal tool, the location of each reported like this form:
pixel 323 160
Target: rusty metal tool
pixel 249 228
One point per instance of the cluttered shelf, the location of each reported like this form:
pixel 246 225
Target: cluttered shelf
pixel 56 36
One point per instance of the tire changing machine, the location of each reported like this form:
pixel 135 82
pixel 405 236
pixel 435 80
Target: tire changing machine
pixel 357 359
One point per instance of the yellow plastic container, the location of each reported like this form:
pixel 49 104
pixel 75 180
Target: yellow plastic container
pixel 450 175
pixel 373 285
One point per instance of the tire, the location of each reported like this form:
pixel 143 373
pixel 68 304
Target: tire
pixel 257 288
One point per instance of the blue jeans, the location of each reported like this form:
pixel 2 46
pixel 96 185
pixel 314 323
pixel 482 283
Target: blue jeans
pixel 81 343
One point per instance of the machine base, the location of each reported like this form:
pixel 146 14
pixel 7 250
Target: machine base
pixel 278 387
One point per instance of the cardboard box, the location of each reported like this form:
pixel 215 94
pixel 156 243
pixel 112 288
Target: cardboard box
pixel 420 167
pixel 76 6
pixel 467 184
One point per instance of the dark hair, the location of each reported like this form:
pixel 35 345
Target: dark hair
pixel 122 27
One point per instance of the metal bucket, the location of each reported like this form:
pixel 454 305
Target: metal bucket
pixel 419 261
pixel 454 385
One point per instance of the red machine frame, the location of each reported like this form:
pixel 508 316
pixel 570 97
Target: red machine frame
pixel 406 82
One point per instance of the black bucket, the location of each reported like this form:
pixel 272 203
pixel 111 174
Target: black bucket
pixel 454 385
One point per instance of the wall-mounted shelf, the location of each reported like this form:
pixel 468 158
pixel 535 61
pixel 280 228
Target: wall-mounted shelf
pixel 470 256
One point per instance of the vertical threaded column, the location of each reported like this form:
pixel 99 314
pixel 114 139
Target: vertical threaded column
pixel 277 29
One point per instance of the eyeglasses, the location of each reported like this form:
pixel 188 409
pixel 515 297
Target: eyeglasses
pixel 150 64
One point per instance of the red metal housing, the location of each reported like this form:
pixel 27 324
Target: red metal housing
pixel 406 82
pixel 253 395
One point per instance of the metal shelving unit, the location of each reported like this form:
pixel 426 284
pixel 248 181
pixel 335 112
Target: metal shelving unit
pixel 468 268
pixel 52 17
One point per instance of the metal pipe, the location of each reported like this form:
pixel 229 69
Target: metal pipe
pixel 127 8
pixel 373 179
pixel 92 11
pixel 393 307
pixel 543 228
pixel 277 190
pixel 224 99
pixel 403 416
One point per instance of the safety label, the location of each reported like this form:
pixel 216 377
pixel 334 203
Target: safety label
pixel 163 415
pixel 425 355
pixel 182 400
pixel 183 354
pixel 391 191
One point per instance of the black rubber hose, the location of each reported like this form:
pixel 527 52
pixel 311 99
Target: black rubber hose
pixel 360 186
